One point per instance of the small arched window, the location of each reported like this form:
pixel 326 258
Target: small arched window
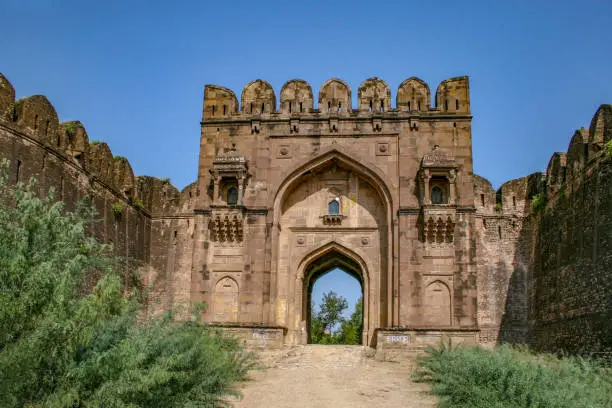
pixel 333 208
pixel 437 195
pixel 232 196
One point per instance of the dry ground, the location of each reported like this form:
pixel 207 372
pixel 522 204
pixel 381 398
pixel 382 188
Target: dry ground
pixel 331 376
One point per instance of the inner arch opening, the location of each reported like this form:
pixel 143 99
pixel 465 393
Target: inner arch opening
pixel 333 265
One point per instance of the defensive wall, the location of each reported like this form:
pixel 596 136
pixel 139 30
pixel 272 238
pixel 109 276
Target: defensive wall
pixel 541 245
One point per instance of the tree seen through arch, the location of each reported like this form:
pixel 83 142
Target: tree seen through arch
pixel 337 309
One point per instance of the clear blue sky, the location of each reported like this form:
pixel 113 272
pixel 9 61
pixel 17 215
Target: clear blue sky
pixel 133 71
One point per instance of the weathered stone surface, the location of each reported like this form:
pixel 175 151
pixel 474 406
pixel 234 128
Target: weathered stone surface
pixel 286 193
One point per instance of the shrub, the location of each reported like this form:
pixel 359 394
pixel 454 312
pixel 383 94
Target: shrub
pixel 117 208
pixel 538 202
pixel 119 158
pixel 138 203
pixel 507 377
pixel 70 129
pixel 609 148
pixel 165 180
pixel 66 344
pixel 94 142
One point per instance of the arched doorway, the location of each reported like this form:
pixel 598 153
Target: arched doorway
pixel 318 263
pixel 330 262
pixel 331 202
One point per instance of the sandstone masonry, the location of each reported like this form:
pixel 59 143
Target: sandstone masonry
pixel 286 192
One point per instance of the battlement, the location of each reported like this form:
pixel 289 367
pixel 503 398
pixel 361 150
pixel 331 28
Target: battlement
pixel 258 100
pixel 34 118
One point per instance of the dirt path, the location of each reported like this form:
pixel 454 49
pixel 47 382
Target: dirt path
pixel 331 376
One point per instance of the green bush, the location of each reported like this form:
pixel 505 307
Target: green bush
pixel 328 326
pixel 94 142
pixel 70 129
pixel 72 332
pixel 507 377
pixel 117 208
pixel 609 148
pixel 538 202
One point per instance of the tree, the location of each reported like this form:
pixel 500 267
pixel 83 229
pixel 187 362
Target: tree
pixel 329 327
pixel 324 322
pixel 351 329
pixel 68 342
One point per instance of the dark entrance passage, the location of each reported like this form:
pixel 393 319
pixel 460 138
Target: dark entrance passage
pixel 329 319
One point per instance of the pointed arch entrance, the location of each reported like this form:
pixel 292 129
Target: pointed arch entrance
pixel 319 263
pixel 358 234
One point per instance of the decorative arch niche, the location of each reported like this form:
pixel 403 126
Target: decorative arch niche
pixel 437 304
pixel 225 303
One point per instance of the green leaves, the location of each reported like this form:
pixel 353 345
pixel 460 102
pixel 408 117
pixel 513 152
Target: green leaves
pixel 324 323
pixel 475 377
pixel 72 332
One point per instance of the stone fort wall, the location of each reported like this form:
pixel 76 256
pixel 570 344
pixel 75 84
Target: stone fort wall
pixel 546 270
pixel 135 212
pixel 542 276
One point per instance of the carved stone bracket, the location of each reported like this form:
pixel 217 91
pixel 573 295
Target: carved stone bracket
pixel 294 126
pixel 332 219
pixel 333 125
pixel 438 225
pixel 226 227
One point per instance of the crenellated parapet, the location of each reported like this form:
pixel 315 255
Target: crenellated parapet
pixel 296 97
pixel 36 119
pixel 7 98
pixel 453 95
pixel 545 251
pixel 374 97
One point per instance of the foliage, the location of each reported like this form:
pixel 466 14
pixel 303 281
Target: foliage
pixel 508 377
pixel 498 207
pixel 609 148
pixel 13 110
pixel 138 203
pixel 538 202
pixel 68 342
pixel 94 142
pixel 119 158
pixel 352 328
pixel 117 208
pixel 70 128
pixel 165 180
pixel 329 327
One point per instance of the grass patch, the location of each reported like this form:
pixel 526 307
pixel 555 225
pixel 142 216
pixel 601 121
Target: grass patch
pixel 507 377
pixel 538 202
pixel 117 208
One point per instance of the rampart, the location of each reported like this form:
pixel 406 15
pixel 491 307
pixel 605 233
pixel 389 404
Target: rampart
pixel 133 211
pixel 529 263
pixel 545 250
